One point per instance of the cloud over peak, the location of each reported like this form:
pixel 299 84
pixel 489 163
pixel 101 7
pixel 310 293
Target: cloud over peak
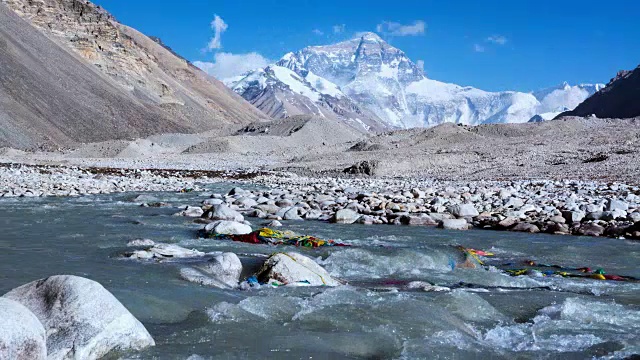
pixel 227 65
pixel 340 28
pixel 396 29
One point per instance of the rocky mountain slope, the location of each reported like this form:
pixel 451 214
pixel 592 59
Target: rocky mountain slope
pixel 366 79
pixel 620 99
pixel 69 73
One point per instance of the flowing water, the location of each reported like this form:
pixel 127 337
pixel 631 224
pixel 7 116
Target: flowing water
pixel 487 315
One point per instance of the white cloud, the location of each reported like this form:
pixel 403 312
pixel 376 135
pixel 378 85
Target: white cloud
pixel 218 26
pixel 396 29
pixel 340 28
pixel 318 32
pixel 497 39
pixel 478 48
pixel 420 64
pixel 227 65
pixel 360 34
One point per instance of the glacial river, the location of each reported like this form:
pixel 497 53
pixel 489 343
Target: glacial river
pixel 488 315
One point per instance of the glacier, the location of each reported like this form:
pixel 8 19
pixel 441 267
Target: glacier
pixel 367 81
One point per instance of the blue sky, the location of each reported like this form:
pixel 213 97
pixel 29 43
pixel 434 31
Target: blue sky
pixel 493 45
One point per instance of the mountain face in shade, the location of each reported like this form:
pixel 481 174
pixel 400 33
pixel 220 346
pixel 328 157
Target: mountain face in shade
pixel 381 87
pixel 620 99
pixel 70 73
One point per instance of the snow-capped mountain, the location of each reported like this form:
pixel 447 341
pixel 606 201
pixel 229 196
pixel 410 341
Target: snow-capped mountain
pixel 280 92
pixel 367 80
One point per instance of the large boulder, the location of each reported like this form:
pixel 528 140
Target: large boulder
pixel 293 269
pixel 81 318
pixel 345 216
pixel 222 271
pixel 223 212
pixel 463 210
pixel 22 336
pixel 223 227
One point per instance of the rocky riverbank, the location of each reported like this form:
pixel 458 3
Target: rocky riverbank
pixel 557 207
pixel 18 180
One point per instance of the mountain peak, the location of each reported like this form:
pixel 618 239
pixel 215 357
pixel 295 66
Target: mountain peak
pixel 369 36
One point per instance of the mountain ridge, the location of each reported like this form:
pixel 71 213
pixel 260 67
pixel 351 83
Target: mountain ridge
pixel 620 99
pixel 91 78
pixel 381 80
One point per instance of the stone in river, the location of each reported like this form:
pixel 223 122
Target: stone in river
pixel 191 211
pixel 222 271
pixel 293 269
pixel 345 216
pixel 223 212
pixel 455 224
pixel 164 251
pixel 224 227
pixel 81 318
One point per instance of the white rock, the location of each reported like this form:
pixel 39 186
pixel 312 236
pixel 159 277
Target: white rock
pixel 455 224
pixel 223 212
pixel 82 319
pixel 513 202
pixel 463 210
pixel 246 202
pixel 292 214
pixel 165 251
pixel 191 211
pixel 292 268
pixel 345 216
pixel 313 215
pixel 141 242
pixel 211 202
pixel 22 336
pixel 613 204
pixel 224 227
pixel 574 216
pixel 273 224
pixel 223 271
